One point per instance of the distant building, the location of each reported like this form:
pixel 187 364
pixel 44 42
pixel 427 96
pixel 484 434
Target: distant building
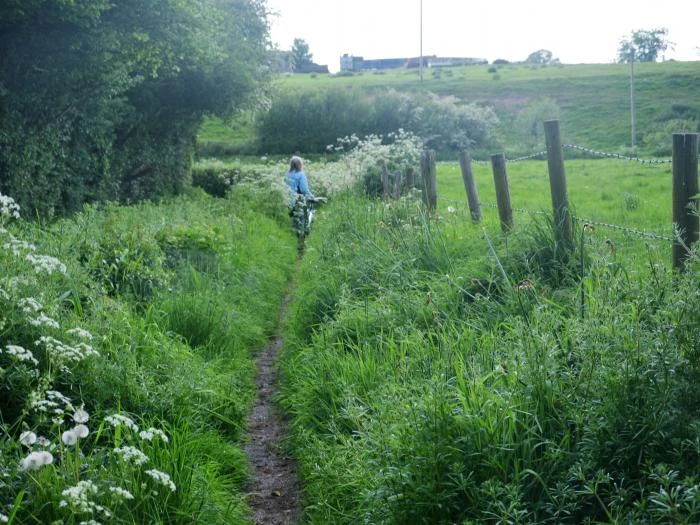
pixel 313 68
pixel 355 64
pixel 455 61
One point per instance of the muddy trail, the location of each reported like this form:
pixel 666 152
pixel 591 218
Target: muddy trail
pixel 273 490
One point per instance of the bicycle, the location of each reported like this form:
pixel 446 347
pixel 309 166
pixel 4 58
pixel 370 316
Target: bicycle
pixel 303 215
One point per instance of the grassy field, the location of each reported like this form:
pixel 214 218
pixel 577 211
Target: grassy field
pixel 594 99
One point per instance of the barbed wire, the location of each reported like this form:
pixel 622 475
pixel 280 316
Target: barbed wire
pixel 626 229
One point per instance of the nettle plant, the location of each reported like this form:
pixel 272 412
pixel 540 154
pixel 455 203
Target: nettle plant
pixel 55 465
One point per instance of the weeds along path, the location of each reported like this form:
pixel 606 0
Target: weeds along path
pixel 273 491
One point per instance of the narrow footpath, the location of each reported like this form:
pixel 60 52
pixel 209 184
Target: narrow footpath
pixel 273 490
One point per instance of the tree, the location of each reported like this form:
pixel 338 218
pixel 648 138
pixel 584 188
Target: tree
pixel 102 100
pixel 643 45
pixel 540 57
pixel 300 54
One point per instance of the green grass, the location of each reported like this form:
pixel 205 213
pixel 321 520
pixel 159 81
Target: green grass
pixel 438 372
pixel 612 191
pixel 178 297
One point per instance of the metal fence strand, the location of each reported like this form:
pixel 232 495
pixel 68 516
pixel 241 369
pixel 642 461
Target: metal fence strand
pixel 626 229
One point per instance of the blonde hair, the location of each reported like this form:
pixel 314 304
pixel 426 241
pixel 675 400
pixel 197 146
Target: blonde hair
pixel 296 164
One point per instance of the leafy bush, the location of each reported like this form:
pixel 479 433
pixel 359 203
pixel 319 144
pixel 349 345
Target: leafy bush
pixel 319 118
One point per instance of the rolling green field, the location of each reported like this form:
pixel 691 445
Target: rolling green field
pixel 594 99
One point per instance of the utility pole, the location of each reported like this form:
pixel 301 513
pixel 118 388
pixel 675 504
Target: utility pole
pixel 420 65
pixel 633 116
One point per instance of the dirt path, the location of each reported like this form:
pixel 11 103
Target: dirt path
pixel 273 491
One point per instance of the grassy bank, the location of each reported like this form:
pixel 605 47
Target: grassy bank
pixel 437 373
pixel 126 359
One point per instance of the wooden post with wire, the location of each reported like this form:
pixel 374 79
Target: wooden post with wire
pixel 429 179
pixel 557 184
pixel 686 222
pixel 500 179
pixel 465 163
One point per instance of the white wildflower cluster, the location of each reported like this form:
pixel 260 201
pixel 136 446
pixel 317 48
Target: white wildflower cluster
pixel 46 264
pixel 119 420
pixel 9 209
pixel 79 332
pixel 16 283
pixel 400 149
pixel 29 305
pixel 18 246
pixel 64 352
pixel 78 499
pixel 53 402
pixel 121 493
pixel 3 518
pixel 20 354
pixel 162 478
pixel 148 435
pixel 36 460
pixel 131 455
pixel 43 320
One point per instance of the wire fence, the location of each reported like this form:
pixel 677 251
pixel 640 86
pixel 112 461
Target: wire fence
pixel 586 222
pixel 595 153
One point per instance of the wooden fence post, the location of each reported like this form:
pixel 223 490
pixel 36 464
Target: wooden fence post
pixel 410 178
pixel 685 187
pixel 465 163
pixel 429 179
pixel 557 184
pixel 500 179
pixel 385 178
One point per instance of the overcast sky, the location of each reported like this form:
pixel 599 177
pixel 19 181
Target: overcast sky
pixel 575 32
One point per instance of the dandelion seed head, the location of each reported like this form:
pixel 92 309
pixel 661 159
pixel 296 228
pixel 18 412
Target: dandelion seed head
pixel 81 416
pixel 27 438
pixel 36 460
pixel 69 437
pixel 81 431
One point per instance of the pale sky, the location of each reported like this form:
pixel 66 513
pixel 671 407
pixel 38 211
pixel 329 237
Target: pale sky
pixel 575 32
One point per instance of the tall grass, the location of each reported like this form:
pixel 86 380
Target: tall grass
pixel 146 426
pixel 432 379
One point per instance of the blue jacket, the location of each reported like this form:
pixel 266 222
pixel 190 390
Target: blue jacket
pixel 298 185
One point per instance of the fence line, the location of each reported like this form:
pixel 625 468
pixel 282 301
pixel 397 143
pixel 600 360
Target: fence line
pixel 585 150
pixel 617 155
pixel 626 229
pixel 686 223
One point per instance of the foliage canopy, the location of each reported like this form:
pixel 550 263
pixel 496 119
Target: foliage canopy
pixel 102 100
